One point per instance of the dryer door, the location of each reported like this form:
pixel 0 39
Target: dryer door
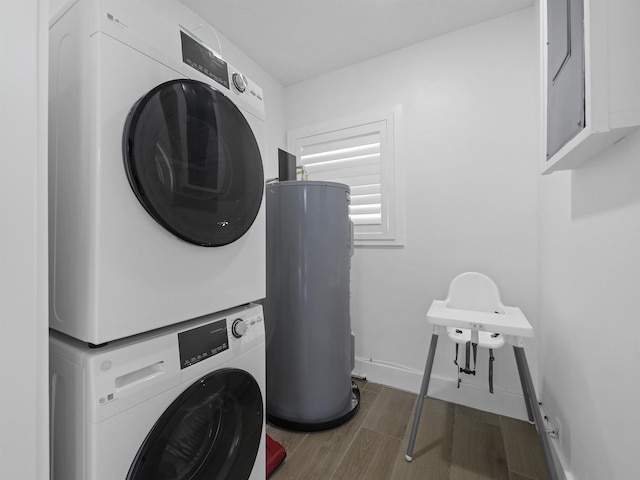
pixel 193 162
pixel 211 431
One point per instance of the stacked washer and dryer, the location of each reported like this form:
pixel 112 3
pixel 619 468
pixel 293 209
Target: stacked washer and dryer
pixel 157 249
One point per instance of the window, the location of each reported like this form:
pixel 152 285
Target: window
pixel 361 152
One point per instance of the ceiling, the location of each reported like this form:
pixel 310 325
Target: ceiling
pixel 295 40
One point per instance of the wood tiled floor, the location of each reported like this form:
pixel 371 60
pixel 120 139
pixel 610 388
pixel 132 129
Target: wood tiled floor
pixel 454 443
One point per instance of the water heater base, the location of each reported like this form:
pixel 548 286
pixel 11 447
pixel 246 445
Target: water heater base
pixel 342 418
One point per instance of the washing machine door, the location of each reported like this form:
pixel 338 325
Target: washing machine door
pixel 193 162
pixel 212 431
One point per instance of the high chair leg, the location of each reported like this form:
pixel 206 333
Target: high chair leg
pixel 524 390
pixel 421 396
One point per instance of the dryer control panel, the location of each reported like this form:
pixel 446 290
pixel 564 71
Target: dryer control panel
pixel 198 56
pixel 209 65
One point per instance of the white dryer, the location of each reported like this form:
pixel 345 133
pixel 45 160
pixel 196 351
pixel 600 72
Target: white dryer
pixel 184 402
pixel 156 176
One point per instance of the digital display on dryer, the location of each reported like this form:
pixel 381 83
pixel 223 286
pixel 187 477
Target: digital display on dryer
pixel 203 342
pixel 199 57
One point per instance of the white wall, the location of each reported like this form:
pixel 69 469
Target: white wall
pixel 23 235
pixel 470 116
pixel 589 286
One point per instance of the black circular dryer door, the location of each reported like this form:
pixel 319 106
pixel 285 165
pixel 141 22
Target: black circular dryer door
pixel 194 163
pixel 212 431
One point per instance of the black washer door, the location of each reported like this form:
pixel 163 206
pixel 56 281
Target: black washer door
pixel 212 431
pixel 194 163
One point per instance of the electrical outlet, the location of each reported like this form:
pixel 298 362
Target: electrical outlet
pixel 552 427
pixel 557 428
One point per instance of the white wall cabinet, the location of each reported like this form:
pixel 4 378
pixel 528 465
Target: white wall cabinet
pixel 577 126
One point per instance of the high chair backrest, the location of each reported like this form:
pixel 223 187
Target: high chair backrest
pixel 474 291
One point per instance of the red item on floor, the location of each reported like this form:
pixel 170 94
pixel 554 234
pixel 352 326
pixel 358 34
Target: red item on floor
pixel 275 455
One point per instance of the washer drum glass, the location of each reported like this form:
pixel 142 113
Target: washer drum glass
pixel 211 431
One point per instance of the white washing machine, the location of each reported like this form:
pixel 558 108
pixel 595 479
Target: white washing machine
pixel 183 403
pixel 156 176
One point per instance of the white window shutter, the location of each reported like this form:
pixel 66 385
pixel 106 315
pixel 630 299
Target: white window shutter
pixel 358 152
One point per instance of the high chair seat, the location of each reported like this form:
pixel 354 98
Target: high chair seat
pixel 485 339
pixel 471 312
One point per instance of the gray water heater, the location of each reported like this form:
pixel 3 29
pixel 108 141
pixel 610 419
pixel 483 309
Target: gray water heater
pixel 308 327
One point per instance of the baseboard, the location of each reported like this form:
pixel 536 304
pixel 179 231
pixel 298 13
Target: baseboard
pixel 500 402
pixel 560 464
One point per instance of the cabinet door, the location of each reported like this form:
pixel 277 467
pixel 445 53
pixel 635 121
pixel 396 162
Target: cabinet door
pixel 565 72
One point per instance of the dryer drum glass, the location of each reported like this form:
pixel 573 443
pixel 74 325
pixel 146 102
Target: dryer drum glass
pixel 211 431
pixel 193 162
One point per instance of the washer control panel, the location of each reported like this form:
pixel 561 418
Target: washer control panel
pixel 203 342
pixel 245 326
pixel 239 327
pixel 236 331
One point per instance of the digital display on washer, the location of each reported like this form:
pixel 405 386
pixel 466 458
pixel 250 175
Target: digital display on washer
pixel 203 342
pixel 202 59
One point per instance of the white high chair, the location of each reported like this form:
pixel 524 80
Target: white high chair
pixel 473 312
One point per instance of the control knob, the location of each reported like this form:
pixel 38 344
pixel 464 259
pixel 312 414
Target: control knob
pixel 239 82
pixel 239 328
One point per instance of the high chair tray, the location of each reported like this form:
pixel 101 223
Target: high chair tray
pixel 511 322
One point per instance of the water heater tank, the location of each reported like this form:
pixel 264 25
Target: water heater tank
pixel 309 349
